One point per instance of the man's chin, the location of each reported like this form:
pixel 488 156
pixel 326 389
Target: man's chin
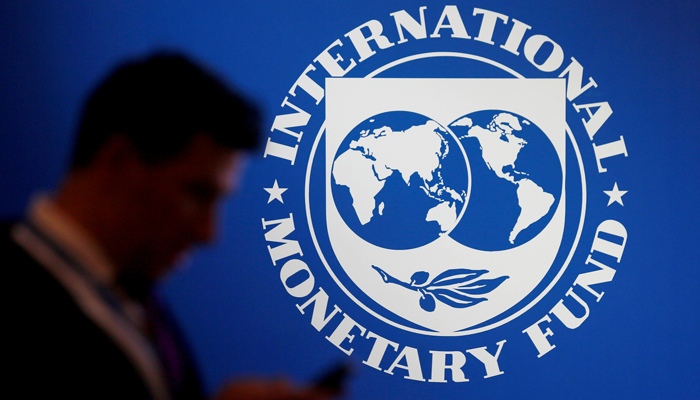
pixel 139 279
pixel 177 262
pixel 137 286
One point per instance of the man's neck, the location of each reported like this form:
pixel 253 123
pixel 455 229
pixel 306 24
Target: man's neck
pixel 87 201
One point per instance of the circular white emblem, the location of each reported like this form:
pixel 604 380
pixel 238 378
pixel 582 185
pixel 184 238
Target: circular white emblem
pixel 440 192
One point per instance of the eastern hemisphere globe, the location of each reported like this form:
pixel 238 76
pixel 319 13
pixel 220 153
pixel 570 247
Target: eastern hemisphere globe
pixel 400 180
pixel 516 180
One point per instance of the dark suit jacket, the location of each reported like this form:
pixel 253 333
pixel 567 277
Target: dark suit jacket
pixel 53 348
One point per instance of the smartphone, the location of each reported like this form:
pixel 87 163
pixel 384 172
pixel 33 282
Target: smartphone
pixel 333 381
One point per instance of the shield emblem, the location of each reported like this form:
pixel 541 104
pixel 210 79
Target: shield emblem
pixel 445 199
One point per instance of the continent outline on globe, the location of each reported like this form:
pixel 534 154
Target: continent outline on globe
pixel 500 149
pixel 374 152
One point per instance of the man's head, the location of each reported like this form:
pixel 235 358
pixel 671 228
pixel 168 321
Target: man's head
pixel 159 145
pixel 159 104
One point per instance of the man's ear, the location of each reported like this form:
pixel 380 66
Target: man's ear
pixel 118 157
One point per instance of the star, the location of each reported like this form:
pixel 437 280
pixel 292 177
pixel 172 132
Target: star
pixel 275 192
pixel 615 195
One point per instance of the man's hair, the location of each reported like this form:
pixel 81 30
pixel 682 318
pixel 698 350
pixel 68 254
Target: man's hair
pixel 160 104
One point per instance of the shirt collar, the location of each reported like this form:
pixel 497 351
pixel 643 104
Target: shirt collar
pixel 72 238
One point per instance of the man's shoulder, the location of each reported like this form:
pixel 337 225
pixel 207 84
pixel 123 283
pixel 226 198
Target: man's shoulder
pixel 6 225
pixel 39 302
pixel 55 341
pixel 26 278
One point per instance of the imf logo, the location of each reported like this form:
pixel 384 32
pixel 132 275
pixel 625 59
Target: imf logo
pixel 445 190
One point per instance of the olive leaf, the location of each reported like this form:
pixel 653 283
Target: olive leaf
pixel 456 288
pixel 419 278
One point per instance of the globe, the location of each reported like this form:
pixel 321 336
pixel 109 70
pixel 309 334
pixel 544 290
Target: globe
pixel 516 180
pixel 399 180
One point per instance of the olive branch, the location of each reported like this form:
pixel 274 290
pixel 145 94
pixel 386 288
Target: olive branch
pixel 455 287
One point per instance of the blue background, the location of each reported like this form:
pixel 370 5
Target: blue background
pixel 640 341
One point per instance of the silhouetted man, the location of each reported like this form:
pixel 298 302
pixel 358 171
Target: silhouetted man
pixel 159 145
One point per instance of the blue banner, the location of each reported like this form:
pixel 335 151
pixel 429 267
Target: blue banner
pixel 458 200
